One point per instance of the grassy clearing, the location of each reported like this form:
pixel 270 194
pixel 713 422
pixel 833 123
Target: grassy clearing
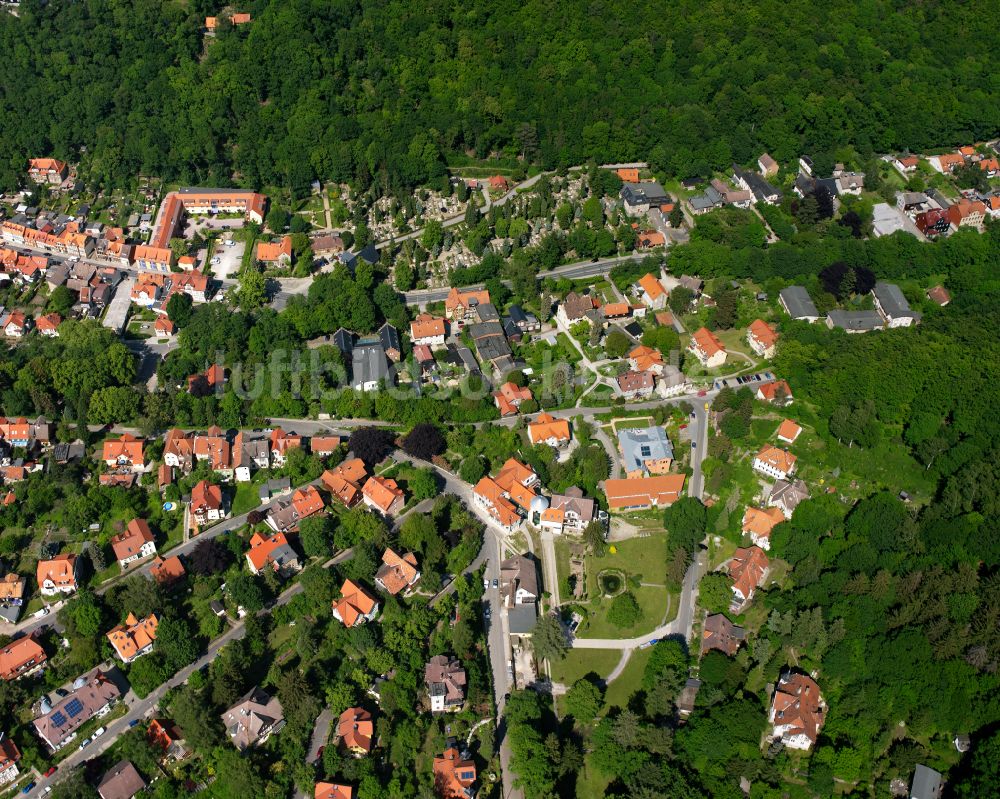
pixel 621 690
pixel 245 498
pixel 580 662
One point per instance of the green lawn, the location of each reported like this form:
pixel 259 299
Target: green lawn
pixel 621 690
pixel 591 783
pixel 245 499
pixel 580 662
pixel 639 558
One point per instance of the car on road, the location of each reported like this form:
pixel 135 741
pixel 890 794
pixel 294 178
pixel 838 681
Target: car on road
pixel 702 393
pixel 28 788
pixel 486 583
pixel 85 743
pixel 50 772
pixel 692 414
pixel 99 732
pixel 496 582
pixel 706 406
pixel 42 613
pixel 694 445
pixel 133 723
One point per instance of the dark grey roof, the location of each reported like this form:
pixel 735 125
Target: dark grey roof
pixel 891 300
pixel 855 320
pixel 522 618
pixel 343 340
pixel 798 303
pixel 510 328
pixel 369 254
pixel 491 342
pixel 761 188
pixel 368 364
pixel 389 337
pixel 516 313
pixel 926 783
pixel 649 192
pixel 702 202
pixel 487 312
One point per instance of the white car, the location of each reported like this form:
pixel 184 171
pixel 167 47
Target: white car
pixel 216 261
pixel 99 732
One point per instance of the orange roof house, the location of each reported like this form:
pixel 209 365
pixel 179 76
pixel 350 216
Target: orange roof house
pixel 458 304
pixel 498 183
pixel 331 790
pixel 777 391
pixel 274 550
pixel 748 568
pixel 168 571
pixel 323 445
pixel 454 775
pixel 797 711
pixel 356 730
pixel 281 443
pixel 774 462
pixel 137 541
pixel 279 252
pixel 509 398
pixel 21 657
pixel 616 310
pixel 427 329
pixel 788 431
pixel 759 524
pixel 650 238
pixel 206 502
pixel 57 575
pixel 164 327
pixel 307 501
pixel 707 348
pixel 163 734
pixel 762 338
pixel 135 637
pixel 212 23
pixel 628 174
pixel 643 492
pixel 355 606
pixel 125 452
pixel 48 325
pixel 214 376
pixel 12 585
pixel 383 494
pixel 646 359
pixel 653 293
pixel 546 429
pixel 397 572
pixel 344 482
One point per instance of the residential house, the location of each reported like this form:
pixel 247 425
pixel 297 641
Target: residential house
pixel 786 496
pixel 525 322
pixel 445 681
pixel 509 398
pixel 638 198
pixel 672 382
pixel 391 345
pixel 135 637
pixel 369 366
pixel 125 453
pixel 206 503
pixel 707 348
pixel 194 284
pixel 278 253
pixel 355 606
pixel 356 731
pixel 211 25
pixel 382 494
pixel 215 448
pixel 546 429
pixel 12 585
pixel 855 321
pixel 645 451
pixel 324 446
pixel 461 305
pixel 848 182
pixel 569 512
pixel 164 735
pixel 58 575
pixel 948 162
pixel 327 246
pixel 249 453
pixel 933 222
pixel 167 572
pixel 720 634
pixel 252 720
pixel 507 496
pixel 135 543
pixel 652 293
pixel 93 697
pixel 906 164
pixel 762 338
pixel 758 524
pixel 47 170
pixel 643 492
pixel 762 190
pixel 926 784
pixel 774 462
pixel 797 711
pixel 281 443
pixel 646 359
pixel 121 781
pixel 628 174
pixel 967 213
pixel 939 296
pixel 911 201
pixel 21 657
pixel 798 304
pixel 767 165
pixel 344 481
pixel 575 308
pixel 748 570
pixel 788 431
pixel 205 383
pixel 454 775
pixel 397 572
pixel 9 757
pixel 48 324
pixel 892 305
pixel 428 330
pixel 635 385
pixel 777 392
pixel 274 552
pixel 518 581
pixel 492 345
pixel 15 324
pixel 178 450
pixel 331 790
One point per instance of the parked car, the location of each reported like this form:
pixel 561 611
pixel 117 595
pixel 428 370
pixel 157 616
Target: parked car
pixel 51 771
pixel 133 723
pixel 486 583
pixel 28 788
pixel 99 732
pixel 85 743
pixel 496 582
pixel 42 613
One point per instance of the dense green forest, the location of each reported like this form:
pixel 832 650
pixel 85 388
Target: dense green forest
pixel 388 91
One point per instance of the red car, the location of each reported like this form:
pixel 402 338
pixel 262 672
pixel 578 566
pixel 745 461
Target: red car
pixel 702 393
pixel 50 772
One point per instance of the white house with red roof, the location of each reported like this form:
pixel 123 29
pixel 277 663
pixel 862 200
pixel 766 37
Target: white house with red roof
pixel 797 711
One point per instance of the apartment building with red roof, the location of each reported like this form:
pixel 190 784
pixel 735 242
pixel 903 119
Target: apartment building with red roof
pixel 748 569
pixel 652 293
pixel 167 572
pixel 546 429
pixel 125 454
pixel 508 398
pixel 454 775
pixel 47 170
pixel 758 524
pixel 344 482
pixel 9 757
pixel 774 462
pixel 135 637
pixel 797 711
pixel 279 252
pixel 356 731
pixel 461 305
pixel 639 493
pixel 777 392
pixel 706 347
pixel 20 658
pixel 762 338
pixel 428 330
pixel 58 575
pixel 274 552
pixel 332 790
pixel 397 572
pixel 206 503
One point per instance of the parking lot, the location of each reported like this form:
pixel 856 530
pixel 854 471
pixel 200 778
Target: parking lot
pixel 226 260
pixel 746 380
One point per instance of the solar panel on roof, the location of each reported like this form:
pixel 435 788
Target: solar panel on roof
pixel 74 707
pixel 58 718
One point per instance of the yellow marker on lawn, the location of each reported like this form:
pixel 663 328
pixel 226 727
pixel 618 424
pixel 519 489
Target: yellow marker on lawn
pixel 613 549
